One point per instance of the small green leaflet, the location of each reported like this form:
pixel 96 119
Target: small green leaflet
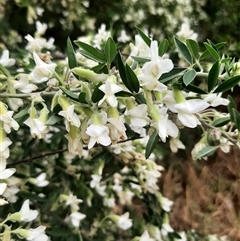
pixel 132 79
pixel 70 94
pixel 97 94
pixel 122 72
pixel 152 142
pixel 175 72
pixel 206 151
pixel 163 47
pixel 213 76
pixel 145 38
pixel 183 50
pixel 189 76
pixel 195 89
pixel 72 62
pixel 193 48
pixel 4 71
pixel 110 50
pixel 231 106
pixel 90 52
pixel 212 51
pixel 221 122
pixel 236 116
pixel 227 84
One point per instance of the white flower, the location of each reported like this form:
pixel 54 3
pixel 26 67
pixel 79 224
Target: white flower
pixel 124 222
pixel 95 182
pixel 5 174
pixel 3 187
pixel 109 202
pixel 70 117
pixel 138 115
pixel 145 237
pixel 42 71
pixel 40 181
pixel 117 130
pixel 5 60
pixel 215 99
pixel 6 118
pixel 166 228
pixel 24 86
pixel 101 36
pixel 73 201
pixel 164 126
pixel 109 89
pixel 98 134
pixel 153 70
pixel 4 151
pixel 186 33
pixel 198 147
pixel 75 145
pixel 76 217
pixel 27 215
pixel 176 144
pixel 188 109
pixel 166 204
pixel 37 127
pixel 41 28
pixel 123 37
pixel 15 103
pixel 37 234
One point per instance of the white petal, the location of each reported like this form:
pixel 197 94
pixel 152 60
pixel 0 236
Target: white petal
pixel 188 120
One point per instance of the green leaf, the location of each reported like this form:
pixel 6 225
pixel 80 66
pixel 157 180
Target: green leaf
pixel 195 89
pixel 152 142
pixel 110 50
pixel 70 94
pixel 72 62
pixel 236 116
pixel 145 38
pixel 183 50
pixel 213 76
pixel 91 52
pixel 227 84
pixel 212 51
pixel 132 79
pixel 189 76
pixel 206 151
pixel 4 71
pixel 82 98
pixel 53 120
pixel 140 99
pixel 221 122
pixel 122 72
pixel 123 94
pixel 21 113
pixel 163 47
pixel 219 45
pixel 231 106
pixel 172 74
pixel 193 48
pixel 140 59
pixel 100 67
pixel 97 94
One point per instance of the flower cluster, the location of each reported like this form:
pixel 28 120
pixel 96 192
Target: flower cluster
pixel 107 112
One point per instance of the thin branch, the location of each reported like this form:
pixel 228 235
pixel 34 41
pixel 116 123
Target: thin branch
pixel 59 151
pixel 37 157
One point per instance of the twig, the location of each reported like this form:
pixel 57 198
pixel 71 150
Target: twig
pixel 37 157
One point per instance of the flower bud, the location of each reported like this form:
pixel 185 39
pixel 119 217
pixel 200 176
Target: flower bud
pixel 89 74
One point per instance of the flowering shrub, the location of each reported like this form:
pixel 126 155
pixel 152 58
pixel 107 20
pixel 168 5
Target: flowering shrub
pixel 79 137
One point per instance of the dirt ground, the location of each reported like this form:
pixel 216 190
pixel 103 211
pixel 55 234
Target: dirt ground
pixel 206 194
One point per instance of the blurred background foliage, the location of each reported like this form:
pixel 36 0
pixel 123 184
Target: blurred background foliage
pixel 210 19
